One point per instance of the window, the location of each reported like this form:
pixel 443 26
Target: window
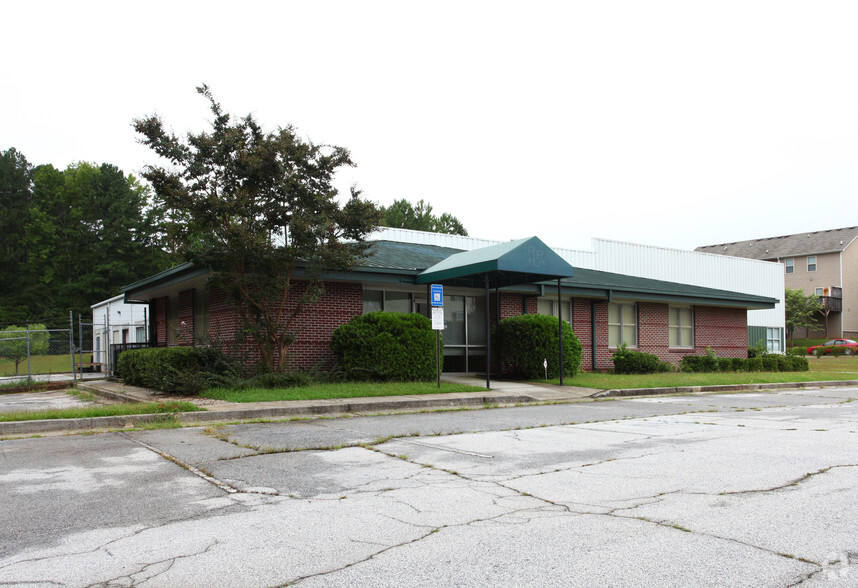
pixel 622 324
pixel 773 339
pixel 376 300
pixel 811 263
pixel 549 307
pixel 790 265
pixel 681 327
pixel 373 301
pixel 820 292
pixel 139 335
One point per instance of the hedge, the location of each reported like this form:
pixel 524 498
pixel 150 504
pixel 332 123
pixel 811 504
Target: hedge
pixel 182 370
pixel 526 341
pixel 627 361
pixel 764 363
pixel 381 346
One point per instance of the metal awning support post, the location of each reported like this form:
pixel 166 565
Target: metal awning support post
pixel 560 328
pixel 488 339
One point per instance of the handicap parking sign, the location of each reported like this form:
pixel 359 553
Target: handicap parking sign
pixel 437 293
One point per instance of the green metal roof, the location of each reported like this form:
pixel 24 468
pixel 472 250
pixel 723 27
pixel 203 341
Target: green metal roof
pixel 410 263
pixel 594 283
pixel 517 262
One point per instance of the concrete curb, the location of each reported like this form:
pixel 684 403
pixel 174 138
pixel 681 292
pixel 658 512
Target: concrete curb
pixel 294 409
pixel 622 393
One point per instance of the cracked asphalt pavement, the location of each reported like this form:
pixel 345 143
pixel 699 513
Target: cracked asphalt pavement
pixel 703 490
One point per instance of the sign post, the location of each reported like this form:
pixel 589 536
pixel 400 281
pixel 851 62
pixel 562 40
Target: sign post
pixel 436 302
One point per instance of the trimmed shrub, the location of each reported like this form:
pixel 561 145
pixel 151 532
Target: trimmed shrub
pixel 798 364
pixel 174 370
pixel 740 364
pixel 770 363
pixel 627 361
pixel 386 346
pixel 755 364
pixel 725 364
pixel 527 340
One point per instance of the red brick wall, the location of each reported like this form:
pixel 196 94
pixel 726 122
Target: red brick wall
pixel 185 332
pixel 724 329
pixel 312 328
pixel 160 319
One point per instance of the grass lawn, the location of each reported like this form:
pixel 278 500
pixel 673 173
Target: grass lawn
pixel 100 411
pixel 821 369
pixel 337 390
pixel 41 364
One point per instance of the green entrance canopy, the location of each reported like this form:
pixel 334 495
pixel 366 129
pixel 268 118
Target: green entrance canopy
pixel 509 264
pixel 518 262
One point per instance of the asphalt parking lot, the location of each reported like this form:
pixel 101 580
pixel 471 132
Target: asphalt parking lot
pixel 754 489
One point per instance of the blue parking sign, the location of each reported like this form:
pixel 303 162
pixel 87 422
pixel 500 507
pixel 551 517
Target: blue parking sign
pixel 437 293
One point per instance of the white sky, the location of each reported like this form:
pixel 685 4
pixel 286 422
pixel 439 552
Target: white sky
pixel 667 123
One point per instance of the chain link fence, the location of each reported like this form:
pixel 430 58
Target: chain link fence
pixel 35 353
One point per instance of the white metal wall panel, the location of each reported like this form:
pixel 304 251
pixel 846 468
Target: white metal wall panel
pixel 425 238
pixel 736 274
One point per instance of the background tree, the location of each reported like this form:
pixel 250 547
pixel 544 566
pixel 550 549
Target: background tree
pixel 15 196
pixel 71 238
pixel 260 210
pixel 404 215
pixel 802 311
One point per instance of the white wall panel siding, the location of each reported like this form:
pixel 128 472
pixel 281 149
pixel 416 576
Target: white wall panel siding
pixel 425 238
pixel 585 259
pixel 736 274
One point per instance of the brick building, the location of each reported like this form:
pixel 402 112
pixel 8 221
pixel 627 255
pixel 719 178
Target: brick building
pixel 668 319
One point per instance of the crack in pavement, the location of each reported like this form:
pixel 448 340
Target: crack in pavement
pixel 168 562
pixel 795 482
pixel 431 532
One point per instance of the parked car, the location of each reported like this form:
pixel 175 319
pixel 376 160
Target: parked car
pixel 850 345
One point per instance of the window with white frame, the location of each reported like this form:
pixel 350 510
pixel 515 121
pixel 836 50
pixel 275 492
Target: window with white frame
pixel 773 339
pixel 139 335
pixel 820 292
pixel 622 324
pixel 681 326
pixel 811 263
pixel 790 265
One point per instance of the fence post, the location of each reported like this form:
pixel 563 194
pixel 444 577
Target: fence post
pixel 71 344
pixel 108 356
pixel 29 373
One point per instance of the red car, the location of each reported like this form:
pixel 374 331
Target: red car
pixel 851 347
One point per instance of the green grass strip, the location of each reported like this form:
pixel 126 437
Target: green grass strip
pixel 338 390
pixel 672 380
pixel 84 412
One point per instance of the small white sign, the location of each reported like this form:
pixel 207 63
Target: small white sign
pixel 437 318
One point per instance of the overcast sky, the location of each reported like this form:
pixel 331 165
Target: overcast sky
pixel 667 123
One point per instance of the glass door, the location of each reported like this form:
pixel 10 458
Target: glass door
pixel 464 333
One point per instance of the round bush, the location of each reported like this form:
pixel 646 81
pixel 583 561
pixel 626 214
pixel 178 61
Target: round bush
pixel 527 340
pixel 627 361
pixel 386 346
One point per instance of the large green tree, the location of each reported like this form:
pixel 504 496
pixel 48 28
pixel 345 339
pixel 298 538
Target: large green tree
pixel 70 238
pixel 16 175
pixel 260 209
pixel 802 310
pixel 405 215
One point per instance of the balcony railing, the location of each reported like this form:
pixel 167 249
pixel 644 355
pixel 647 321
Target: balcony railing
pixel 831 304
